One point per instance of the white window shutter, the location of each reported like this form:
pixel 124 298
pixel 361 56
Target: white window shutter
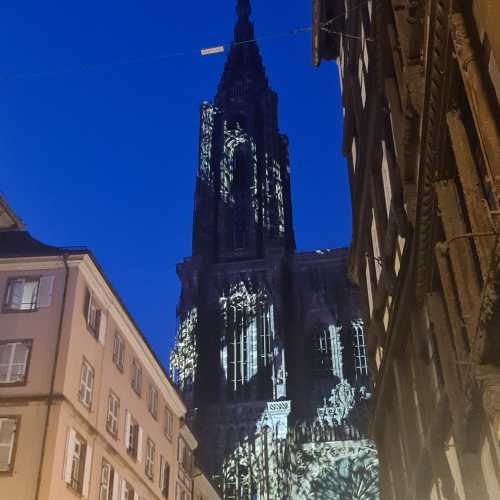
pixel 45 290
pixel 70 450
pixel 122 489
pixel 87 471
pixel 139 446
pixel 102 328
pixel 127 428
pixel 116 487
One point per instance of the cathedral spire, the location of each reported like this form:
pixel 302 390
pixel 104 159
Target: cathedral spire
pixel 243 30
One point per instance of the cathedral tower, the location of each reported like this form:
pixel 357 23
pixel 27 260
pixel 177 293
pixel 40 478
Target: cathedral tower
pixel 266 335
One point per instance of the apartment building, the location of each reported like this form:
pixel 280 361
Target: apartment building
pixel 86 410
pixel 420 86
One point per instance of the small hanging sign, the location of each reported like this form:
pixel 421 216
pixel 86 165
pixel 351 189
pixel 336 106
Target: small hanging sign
pixel 212 50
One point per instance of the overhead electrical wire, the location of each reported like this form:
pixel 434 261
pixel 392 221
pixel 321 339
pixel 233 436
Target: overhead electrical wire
pixel 216 49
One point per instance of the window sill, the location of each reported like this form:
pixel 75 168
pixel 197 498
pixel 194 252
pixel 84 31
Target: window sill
pixel 119 368
pixel 13 384
pixel 92 332
pixel 74 492
pixel 114 435
pixel 85 405
pixel 8 310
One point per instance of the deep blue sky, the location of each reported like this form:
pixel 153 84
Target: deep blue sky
pixel 106 158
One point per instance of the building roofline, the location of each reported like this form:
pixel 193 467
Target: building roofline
pixel 85 251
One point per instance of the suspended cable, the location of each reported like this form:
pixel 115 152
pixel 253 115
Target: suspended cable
pixel 208 51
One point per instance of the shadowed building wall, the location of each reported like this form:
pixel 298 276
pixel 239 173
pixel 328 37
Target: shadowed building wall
pixel 420 95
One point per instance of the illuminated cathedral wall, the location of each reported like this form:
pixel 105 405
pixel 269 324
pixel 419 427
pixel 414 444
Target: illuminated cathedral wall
pixel 270 352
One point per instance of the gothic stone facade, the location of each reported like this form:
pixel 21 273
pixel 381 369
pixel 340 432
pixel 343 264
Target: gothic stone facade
pixel 270 352
pixel 421 88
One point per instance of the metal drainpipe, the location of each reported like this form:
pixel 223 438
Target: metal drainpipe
pixel 53 379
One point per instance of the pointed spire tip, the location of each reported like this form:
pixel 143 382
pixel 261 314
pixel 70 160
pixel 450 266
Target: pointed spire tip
pixel 243 8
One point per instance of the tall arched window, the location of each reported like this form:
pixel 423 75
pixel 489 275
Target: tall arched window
pixel 241 196
pixel 326 351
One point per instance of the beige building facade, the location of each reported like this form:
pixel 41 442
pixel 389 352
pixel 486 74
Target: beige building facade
pixel 86 410
pixel 420 94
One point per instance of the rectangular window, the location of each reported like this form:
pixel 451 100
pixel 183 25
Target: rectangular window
pixel 133 437
pixel 185 456
pixel 107 481
pixel 28 294
pixel 169 423
pixel 360 363
pixel 94 316
pixel 354 154
pixel 86 384
pixel 164 476
pixel 127 491
pixel 118 351
pixel 8 439
pixel 377 256
pixel 181 493
pixel 153 401
pixel 78 463
pixel 136 380
pixel 386 178
pixel 150 458
pixel 14 361
pixel 113 414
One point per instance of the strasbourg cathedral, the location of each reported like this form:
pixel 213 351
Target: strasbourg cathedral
pixel 269 354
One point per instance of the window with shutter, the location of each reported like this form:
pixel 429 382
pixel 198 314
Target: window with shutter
pixel 150 458
pixel 8 438
pixel 107 479
pixel 118 351
pixel 136 380
pixel 169 422
pixel 77 459
pixel 132 434
pixel 13 362
pixel 127 491
pixel 86 384
pixel 113 413
pixel 164 476
pixel 92 314
pixel 153 401
pixel 22 294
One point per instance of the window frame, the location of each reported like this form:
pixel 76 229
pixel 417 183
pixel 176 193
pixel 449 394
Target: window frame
pixel 153 400
pixel 130 490
pixel 169 423
pixel 111 480
pixel 150 459
pixel 119 359
pixel 114 433
pixel 133 432
pixel 164 477
pixel 7 307
pixel 29 344
pixel 89 304
pixel 136 379
pixel 76 484
pixel 14 445
pixel 80 395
